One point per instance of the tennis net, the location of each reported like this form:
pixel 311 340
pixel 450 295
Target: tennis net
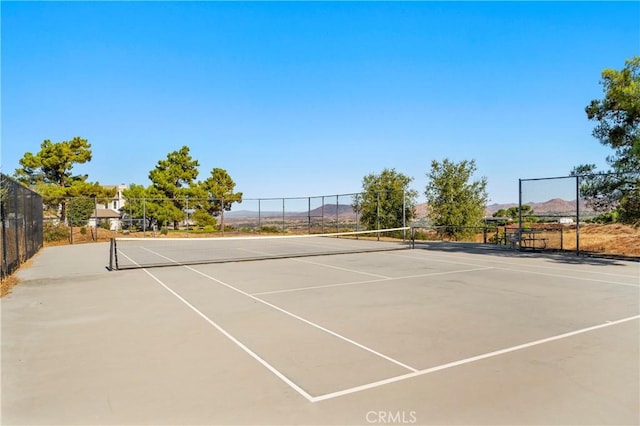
pixel 131 252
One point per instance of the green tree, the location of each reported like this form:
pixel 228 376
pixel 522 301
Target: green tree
pixel 514 213
pixel 203 218
pixel 386 200
pixel 151 204
pixel 175 180
pixel 80 210
pixel 455 202
pixel 618 126
pixel 219 192
pixel 49 171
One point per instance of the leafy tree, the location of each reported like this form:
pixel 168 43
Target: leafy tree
pixel 384 196
pixel 203 218
pixel 151 204
pixel 174 179
pixel 80 210
pixel 618 126
pixel 219 191
pixel 50 172
pixel 514 213
pixel 454 201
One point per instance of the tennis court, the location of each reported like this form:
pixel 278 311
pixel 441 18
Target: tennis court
pixel 439 334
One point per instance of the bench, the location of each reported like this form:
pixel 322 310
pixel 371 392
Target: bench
pixel 527 239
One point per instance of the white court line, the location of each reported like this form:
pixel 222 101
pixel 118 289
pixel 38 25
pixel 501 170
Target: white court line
pixel 517 264
pixel 328 266
pixel 342 269
pixel 368 281
pixel 568 276
pixel 306 321
pixel 414 373
pixel 252 354
pixel 291 314
pixel 468 360
pixel 524 271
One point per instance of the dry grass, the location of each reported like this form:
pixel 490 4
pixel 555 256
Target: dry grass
pixel 9 282
pixel 610 239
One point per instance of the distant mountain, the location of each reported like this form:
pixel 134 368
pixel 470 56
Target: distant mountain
pixel 344 211
pixel 555 205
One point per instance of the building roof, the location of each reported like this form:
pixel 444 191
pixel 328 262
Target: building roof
pixel 106 214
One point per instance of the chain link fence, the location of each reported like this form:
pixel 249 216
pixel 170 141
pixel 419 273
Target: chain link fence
pixel 586 214
pixel 297 215
pixel 79 219
pixel 22 227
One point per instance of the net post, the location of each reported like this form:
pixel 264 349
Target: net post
pixel 113 255
pixel 111 245
pixel 412 236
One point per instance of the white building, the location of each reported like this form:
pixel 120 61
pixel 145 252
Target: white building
pixel 118 201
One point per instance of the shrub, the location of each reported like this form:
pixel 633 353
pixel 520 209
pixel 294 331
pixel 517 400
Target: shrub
pixel 209 228
pixel 55 233
pixel 164 230
pixel 83 230
pixel 270 229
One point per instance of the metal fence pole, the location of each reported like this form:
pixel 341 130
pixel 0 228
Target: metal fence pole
pixel 578 215
pixel 308 215
pixel 144 217
pixel 4 231
pixel 337 215
pixel 322 214
pixel 95 213
pixel 520 214
pixel 404 215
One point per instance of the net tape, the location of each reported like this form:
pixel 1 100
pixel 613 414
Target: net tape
pixel 132 253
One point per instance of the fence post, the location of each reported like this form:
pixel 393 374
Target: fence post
pixel 144 217
pixel 222 215
pixel 337 215
pixel 404 215
pixel 24 227
pixel 578 215
pixel 259 218
pixel 4 233
pixel 309 215
pixel 322 214
pixel 95 219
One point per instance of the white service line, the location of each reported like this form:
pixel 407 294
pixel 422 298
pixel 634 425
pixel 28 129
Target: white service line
pixel 306 321
pixel 567 276
pixel 291 314
pixel 315 287
pixel 342 269
pixel 469 360
pixel 433 256
pixel 524 271
pixel 252 354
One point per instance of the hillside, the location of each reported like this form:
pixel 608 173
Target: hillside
pixel 345 211
pixel 553 206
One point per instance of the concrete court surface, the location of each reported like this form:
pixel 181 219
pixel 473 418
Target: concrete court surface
pixel 447 336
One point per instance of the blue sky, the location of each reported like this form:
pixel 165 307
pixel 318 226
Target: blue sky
pixel 306 98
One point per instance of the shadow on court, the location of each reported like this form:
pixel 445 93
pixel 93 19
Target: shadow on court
pixel 503 251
